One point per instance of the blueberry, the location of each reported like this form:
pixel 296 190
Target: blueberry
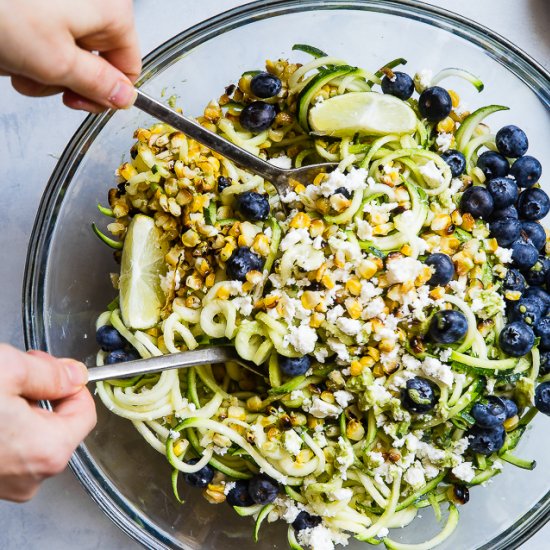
pixel 505 230
pixel 486 441
pixel 493 164
pixel 265 85
pixel 489 414
pixel 239 495
pixel 542 398
pixel 253 206
pixel 538 273
pixel 535 232
pixel 540 294
pixel 511 407
pixel 542 330
pixel 516 339
pixel 544 363
pixel 514 281
pixel 443 267
pixel 294 366
pixel 262 489
pixel 258 116
pixel 121 356
pixel 504 192
pixel 456 161
pixel 418 395
pixel 533 204
pixel 305 521
pixel 343 191
pixel 109 338
pixel 524 254
pixel 223 182
pixel 201 478
pixel 528 310
pixel 511 141
pixel 241 262
pixel 478 202
pixel 448 326
pixel 508 212
pixel 527 171
pixel 435 103
pixel 401 85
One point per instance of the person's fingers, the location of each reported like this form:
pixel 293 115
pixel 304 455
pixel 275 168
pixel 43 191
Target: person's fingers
pixel 77 415
pixel 29 87
pixel 97 80
pixel 75 101
pixel 126 59
pixel 63 429
pixel 36 375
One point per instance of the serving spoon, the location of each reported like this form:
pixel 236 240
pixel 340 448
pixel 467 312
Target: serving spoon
pixel 279 177
pixel 182 360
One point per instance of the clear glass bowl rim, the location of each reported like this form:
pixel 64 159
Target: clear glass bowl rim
pixel 103 492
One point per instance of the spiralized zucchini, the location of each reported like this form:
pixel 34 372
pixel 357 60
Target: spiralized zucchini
pixel 343 284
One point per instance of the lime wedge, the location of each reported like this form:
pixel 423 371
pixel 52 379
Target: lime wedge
pixel 141 297
pixel 367 113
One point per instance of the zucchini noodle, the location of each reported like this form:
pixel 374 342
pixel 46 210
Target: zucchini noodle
pixel 333 295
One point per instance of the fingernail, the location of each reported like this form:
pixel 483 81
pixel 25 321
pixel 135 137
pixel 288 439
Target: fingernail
pixel 76 372
pixel 123 95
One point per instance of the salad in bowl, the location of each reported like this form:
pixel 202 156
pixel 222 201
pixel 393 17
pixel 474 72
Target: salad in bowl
pixel 397 305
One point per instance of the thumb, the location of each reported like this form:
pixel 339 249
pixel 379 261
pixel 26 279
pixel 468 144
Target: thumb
pixel 41 376
pixel 96 79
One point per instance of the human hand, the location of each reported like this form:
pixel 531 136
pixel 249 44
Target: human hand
pixel 47 49
pixel 36 443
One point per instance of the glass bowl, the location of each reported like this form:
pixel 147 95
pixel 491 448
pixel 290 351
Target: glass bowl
pixel 67 279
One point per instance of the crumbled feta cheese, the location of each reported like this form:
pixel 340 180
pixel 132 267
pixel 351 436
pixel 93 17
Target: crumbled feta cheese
pixel 321 538
pixel 374 308
pixel 296 394
pixel 364 230
pixel 444 141
pixel 461 445
pixel 401 270
pixel 345 456
pixel 339 348
pixel 369 291
pixel 504 255
pixel 375 459
pixel 322 409
pixel 423 80
pixel 349 326
pixel 414 476
pixel 431 174
pixel 302 339
pixel 351 249
pixel 461 109
pixel 334 314
pixel 292 442
pixel 343 398
pixel 445 354
pixel 281 162
pixel 288 510
pixel 244 305
pixel 438 370
pixel 229 486
pixel 353 180
pixel 464 472
pixel 321 354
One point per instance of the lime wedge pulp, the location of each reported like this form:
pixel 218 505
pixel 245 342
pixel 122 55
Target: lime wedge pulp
pixel 141 297
pixel 368 113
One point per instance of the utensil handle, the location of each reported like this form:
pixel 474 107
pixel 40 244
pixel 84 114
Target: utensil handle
pixel 205 356
pixel 213 141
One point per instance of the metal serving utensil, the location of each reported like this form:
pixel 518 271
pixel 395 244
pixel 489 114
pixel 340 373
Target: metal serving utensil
pixel 185 359
pixel 279 177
